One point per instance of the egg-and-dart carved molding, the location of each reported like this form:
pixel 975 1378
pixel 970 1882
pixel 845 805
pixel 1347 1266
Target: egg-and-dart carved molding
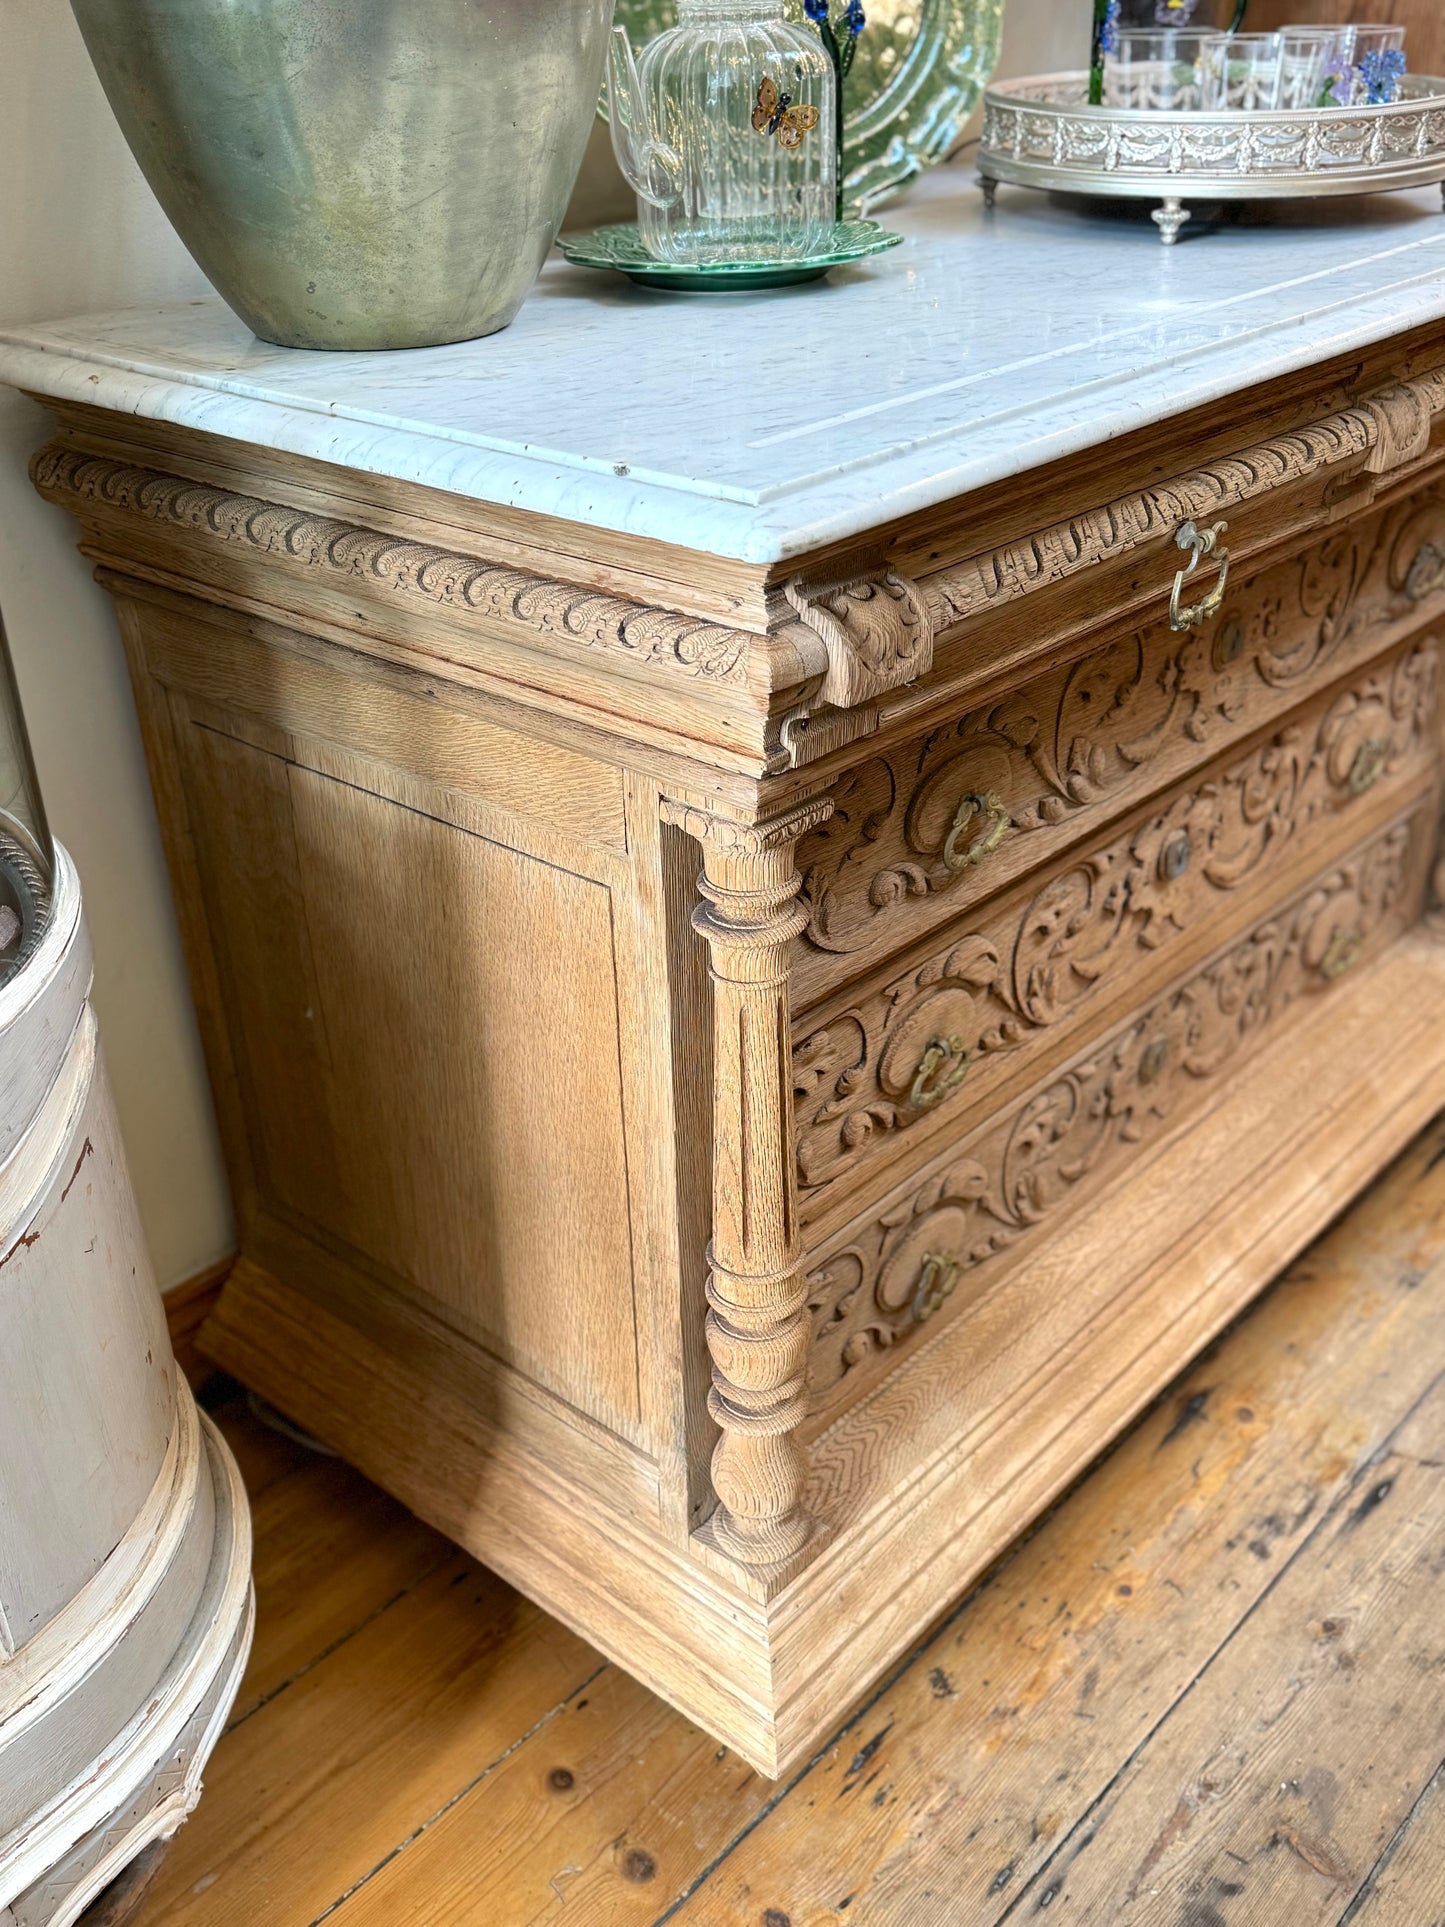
pixel 877 629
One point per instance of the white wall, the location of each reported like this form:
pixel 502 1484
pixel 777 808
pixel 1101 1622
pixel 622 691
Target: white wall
pixel 79 231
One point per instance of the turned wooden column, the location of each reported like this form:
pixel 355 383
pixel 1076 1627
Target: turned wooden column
pixel 757 1323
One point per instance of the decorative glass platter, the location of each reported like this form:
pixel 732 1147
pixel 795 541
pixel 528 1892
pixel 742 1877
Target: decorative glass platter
pixel 917 75
pixel 1041 132
pixel 620 247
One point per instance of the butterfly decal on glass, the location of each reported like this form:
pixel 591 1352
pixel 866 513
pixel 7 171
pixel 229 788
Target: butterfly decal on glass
pixel 775 114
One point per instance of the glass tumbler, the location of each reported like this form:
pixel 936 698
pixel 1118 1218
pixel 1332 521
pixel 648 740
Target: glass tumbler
pixel 1158 69
pixel 1244 73
pixel 1379 64
pixel 1314 66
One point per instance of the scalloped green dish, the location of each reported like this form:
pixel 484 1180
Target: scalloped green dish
pixel 919 72
pixel 620 248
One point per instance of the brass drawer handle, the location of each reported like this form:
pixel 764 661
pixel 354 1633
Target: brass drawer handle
pixel 989 804
pixel 926 1092
pixel 936 1280
pixel 1200 543
pixel 1427 572
pixel 1344 951
pixel 1372 759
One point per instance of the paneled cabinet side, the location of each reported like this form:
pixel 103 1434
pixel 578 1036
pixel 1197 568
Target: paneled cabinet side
pixel 757 1322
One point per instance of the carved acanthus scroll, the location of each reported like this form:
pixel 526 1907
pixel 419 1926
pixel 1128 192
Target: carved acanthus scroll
pixel 1036 956
pixel 757 1324
pixel 1404 418
pixel 877 630
pixel 895 1270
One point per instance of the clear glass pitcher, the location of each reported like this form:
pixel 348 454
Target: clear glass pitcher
pixel 726 128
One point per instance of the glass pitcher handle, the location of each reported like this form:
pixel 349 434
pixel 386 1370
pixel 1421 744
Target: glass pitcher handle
pixel 653 169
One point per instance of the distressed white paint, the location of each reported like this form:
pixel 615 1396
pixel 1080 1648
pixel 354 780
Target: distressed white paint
pixel 124 1538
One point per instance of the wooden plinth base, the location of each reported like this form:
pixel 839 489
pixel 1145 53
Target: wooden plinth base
pixel 921 1485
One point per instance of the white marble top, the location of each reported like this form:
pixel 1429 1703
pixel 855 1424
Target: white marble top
pixel 761 425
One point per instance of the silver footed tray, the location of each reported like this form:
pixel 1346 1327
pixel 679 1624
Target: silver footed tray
pixel 1043 133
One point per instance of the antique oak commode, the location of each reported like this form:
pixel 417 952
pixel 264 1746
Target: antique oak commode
pixel 765 989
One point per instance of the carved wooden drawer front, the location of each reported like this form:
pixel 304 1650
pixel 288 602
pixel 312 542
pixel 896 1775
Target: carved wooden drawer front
pixel 921 831
pixel 919 1049
pixel 935 1243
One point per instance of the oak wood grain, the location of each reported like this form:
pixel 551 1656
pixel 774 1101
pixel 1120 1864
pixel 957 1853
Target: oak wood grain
pixel 516 1180
pixel 1406 1887
pixel 951 1794
pixel 1289 1765
pixel 332 1774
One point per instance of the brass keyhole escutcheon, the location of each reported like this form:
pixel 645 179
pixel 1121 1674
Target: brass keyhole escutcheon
pixel 1151 1064
pixel 1342 953
pixel 1229 643
pixel 1427 572
pixel 1176 856
pixel 941 1069
pixel 1368 766
pixel 958 855
pixel 936 1280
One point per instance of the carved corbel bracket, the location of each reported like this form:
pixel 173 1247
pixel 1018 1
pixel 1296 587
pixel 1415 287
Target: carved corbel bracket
pixel 1404 418
pixel 877 630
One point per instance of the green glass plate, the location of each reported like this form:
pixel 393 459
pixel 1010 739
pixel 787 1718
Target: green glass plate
pixel 620 247
pixel 919 72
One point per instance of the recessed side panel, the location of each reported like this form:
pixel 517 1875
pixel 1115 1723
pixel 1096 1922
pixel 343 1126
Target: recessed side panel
pixel 424 1026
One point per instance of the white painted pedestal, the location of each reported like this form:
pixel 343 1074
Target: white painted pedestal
pixel 125 1596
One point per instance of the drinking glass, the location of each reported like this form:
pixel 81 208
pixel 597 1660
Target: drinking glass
pixel 1243 73
pixel 1158 69
pixel 1379 64
pixel 1312 62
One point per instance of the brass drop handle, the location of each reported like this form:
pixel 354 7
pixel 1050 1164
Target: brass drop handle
pixel 989 804
pixel 936 1280
pixel 1200 543
pixel 1371 761
pixel 928 1087
pixel 1344 951
pixel 1427 572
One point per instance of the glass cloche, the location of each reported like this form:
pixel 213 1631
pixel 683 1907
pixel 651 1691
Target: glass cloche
pixel 27 855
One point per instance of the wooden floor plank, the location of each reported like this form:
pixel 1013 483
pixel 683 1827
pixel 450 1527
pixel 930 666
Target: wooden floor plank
pixel 332 1551
pixel 949 1796
pixel 1407 1888
pixel 315 1790
pixel 550 1833
pixel 1277 1781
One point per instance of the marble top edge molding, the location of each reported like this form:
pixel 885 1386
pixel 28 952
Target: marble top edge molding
pixel 852 641
pixel 625 410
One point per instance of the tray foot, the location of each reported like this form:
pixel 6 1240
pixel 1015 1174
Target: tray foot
pixel 1169 219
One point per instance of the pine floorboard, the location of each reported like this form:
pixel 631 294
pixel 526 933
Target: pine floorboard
pixel 1207 1691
